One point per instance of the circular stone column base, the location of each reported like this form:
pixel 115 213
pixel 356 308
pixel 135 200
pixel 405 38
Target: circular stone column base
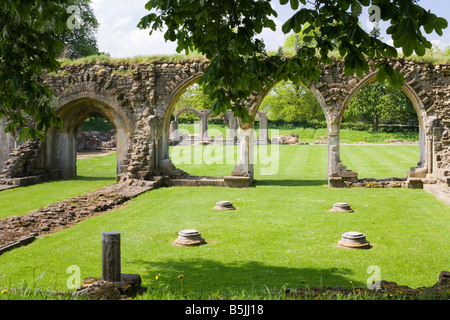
pixel 189 238
pixel 353 240
pixel 224 205
pixel 341 207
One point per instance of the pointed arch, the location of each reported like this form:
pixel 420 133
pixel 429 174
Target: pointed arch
pixel 416 102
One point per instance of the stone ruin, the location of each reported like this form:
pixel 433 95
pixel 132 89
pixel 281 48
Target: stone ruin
pixel 96 140
pixel 177 137
pixel 139 100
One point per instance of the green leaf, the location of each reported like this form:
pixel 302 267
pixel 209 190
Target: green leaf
pixel 408 48
pixel 391 52
pixel 420 50
pixel 286 28
pixel 381 75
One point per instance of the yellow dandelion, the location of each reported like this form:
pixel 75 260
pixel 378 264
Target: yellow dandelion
pixel 180 276
pixel 4 291
pixel 156 277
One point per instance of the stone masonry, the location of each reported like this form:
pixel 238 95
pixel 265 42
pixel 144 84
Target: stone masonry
pixel 139 99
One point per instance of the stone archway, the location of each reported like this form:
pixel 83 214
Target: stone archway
pixel 245 167
pixel 174 97
pixel 424 164
pixel 60 143
pixel 141 103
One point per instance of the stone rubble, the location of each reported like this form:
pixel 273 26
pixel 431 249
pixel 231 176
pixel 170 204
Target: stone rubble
pixel 387 290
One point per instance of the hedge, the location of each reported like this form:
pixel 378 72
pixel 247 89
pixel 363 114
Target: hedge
pixel 316 124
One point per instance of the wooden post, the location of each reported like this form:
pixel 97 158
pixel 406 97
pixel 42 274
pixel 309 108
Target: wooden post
pixel 111 256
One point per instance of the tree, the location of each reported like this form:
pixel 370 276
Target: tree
pixel 226 31
pixel 29 45
pixel 194 97
pixel 80 42
pixel 379 103
pixel 305 37
pixel 291 102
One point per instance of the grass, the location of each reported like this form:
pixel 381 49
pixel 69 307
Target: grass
pixel 281 235
pixel 379 161
pixel 93 173
pixel 172 58
pixel 434 56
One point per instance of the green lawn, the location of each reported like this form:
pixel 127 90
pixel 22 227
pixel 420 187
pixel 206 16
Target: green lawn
pixel 309 135
pixel 281 233
pixel 93 173
pixel 299 163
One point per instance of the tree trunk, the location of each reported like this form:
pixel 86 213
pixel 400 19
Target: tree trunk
pixel 375 121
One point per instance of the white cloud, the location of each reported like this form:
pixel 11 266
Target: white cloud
pixel 139 42
pixel 440 44
pixel 273 39
pixel 119 35
pixel 121 22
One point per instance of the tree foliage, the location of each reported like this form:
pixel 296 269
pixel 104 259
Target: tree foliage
pixel 226 32
pixel 81 41
pixel 380 103
pixel 194 97
pixel 29 46
pixel 97 122
pixel 289 102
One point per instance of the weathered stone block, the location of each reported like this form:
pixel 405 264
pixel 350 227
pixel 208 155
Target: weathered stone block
pixel 415 183
pixel 237 181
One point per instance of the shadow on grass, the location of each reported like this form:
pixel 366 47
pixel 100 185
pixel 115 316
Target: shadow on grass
pixel 288 182
pixel 206 275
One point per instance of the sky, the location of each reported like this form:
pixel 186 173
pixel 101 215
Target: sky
pixel 119 35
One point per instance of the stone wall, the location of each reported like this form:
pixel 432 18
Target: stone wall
pixel 426 85
pixel 96 140
pixel 139 99
pixel 7 143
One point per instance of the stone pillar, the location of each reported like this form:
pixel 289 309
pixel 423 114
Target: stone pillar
pixel 436 148
pixel 334 148
pixel 111 256
pixel 338 175
pixel 173 130
pixel 61 151
pixel 246 153
pixel 7 143
pixel 203 131
pixel 233 123
pixel 263 128
pixel 155 152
